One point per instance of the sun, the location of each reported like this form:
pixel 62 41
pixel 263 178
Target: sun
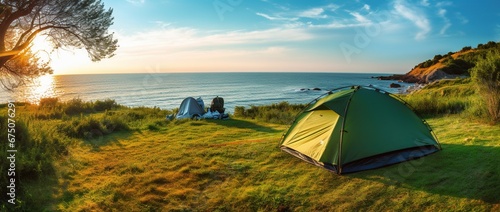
pixel 42 48
pixel 62 61
pixel 41 43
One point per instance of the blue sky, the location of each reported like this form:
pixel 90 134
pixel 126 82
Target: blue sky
pixel 276 35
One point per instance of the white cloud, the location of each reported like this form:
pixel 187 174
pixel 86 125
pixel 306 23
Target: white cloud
pixel 313 13
pixel 444 4
pixel 338 25
pixel 189 49
pixel 366 7
pixel 288 15
pixel 447 23
pixel 417 18
pixel 174 40
pixel 360 18
pixel 462 19
pixel 276 18
pixel 332 7
pixel 425 3
pixel 137 2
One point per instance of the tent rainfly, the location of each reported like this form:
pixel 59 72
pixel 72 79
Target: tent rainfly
pixel 190 109
pixel 358 129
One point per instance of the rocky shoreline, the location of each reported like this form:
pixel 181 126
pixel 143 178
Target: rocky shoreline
pixel 401 78
pixel 434 75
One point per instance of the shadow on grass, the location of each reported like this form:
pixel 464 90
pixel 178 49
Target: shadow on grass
pixel 32 190
pixel 98 140
pixel 464 171
pixel 243 124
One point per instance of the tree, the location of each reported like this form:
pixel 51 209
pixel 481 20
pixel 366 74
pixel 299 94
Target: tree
pixel 486 74
pixel 466 48
pixel 66 23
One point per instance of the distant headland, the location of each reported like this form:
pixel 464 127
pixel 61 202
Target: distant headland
pixel 449 66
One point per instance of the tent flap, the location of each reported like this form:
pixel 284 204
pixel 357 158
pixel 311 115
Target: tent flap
pixel 389 158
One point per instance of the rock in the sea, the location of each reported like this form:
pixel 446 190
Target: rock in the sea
pixel 316 89
pixel 395 85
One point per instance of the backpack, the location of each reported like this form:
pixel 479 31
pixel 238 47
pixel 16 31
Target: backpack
pixel 217 104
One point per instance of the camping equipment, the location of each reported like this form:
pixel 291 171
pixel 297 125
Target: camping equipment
pixel 190 109
pixel 356 129
pixel 217 104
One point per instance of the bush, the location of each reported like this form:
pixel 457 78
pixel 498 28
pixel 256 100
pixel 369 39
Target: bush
pixel 36 149
pixel 239 111
pixel 107 104
pixel 466 48
pixel 443 97
pixel 280 113
pixel 76 107
pixel 457 67
pixel 490 44
pixel 88 127
pixel 486 75
pixel 48 102
pixel 436 105
pixel 437 58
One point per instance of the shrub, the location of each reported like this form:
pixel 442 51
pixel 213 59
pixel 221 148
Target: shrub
pixel 486 75
pixel 36 152
pixel 437 57
pixel 435 105
pixel 76 107
pixel 48 102
pixel 466 48
pixel 458 66
pixel 280 113
pixel 443 97
pixel 90 126
pixel 107 104
pixel 239 111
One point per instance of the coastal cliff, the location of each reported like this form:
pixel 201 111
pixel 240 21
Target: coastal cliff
pixel 449 66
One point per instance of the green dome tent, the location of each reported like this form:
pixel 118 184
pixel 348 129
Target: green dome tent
pixel 358 129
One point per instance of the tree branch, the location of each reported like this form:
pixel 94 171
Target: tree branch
pixel 10 18
pixel 32 24
pixel 32 36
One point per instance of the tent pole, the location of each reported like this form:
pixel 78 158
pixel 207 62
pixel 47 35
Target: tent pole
pixel 342 130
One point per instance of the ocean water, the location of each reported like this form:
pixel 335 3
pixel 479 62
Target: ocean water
pixel 167 90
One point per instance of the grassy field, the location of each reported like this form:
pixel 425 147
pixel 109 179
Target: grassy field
pixel 236 165
pixel 99 156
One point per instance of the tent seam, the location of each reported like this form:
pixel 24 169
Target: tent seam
pixel 342 130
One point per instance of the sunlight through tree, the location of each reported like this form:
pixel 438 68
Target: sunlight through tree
pixel 65 23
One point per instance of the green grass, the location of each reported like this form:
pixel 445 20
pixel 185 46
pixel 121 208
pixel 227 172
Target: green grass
pixel 449 97
pixel 132 159
pixel 236 165
pixel 280 113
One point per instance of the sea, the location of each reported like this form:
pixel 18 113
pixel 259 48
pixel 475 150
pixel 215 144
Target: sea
pixel 167 90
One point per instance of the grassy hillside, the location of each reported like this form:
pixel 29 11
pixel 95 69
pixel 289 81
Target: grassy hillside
pixel 131 159
pixel 453 64
pixel 447 97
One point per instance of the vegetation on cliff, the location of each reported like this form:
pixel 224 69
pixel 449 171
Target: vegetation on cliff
pixel 486 74
pixel 450 65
